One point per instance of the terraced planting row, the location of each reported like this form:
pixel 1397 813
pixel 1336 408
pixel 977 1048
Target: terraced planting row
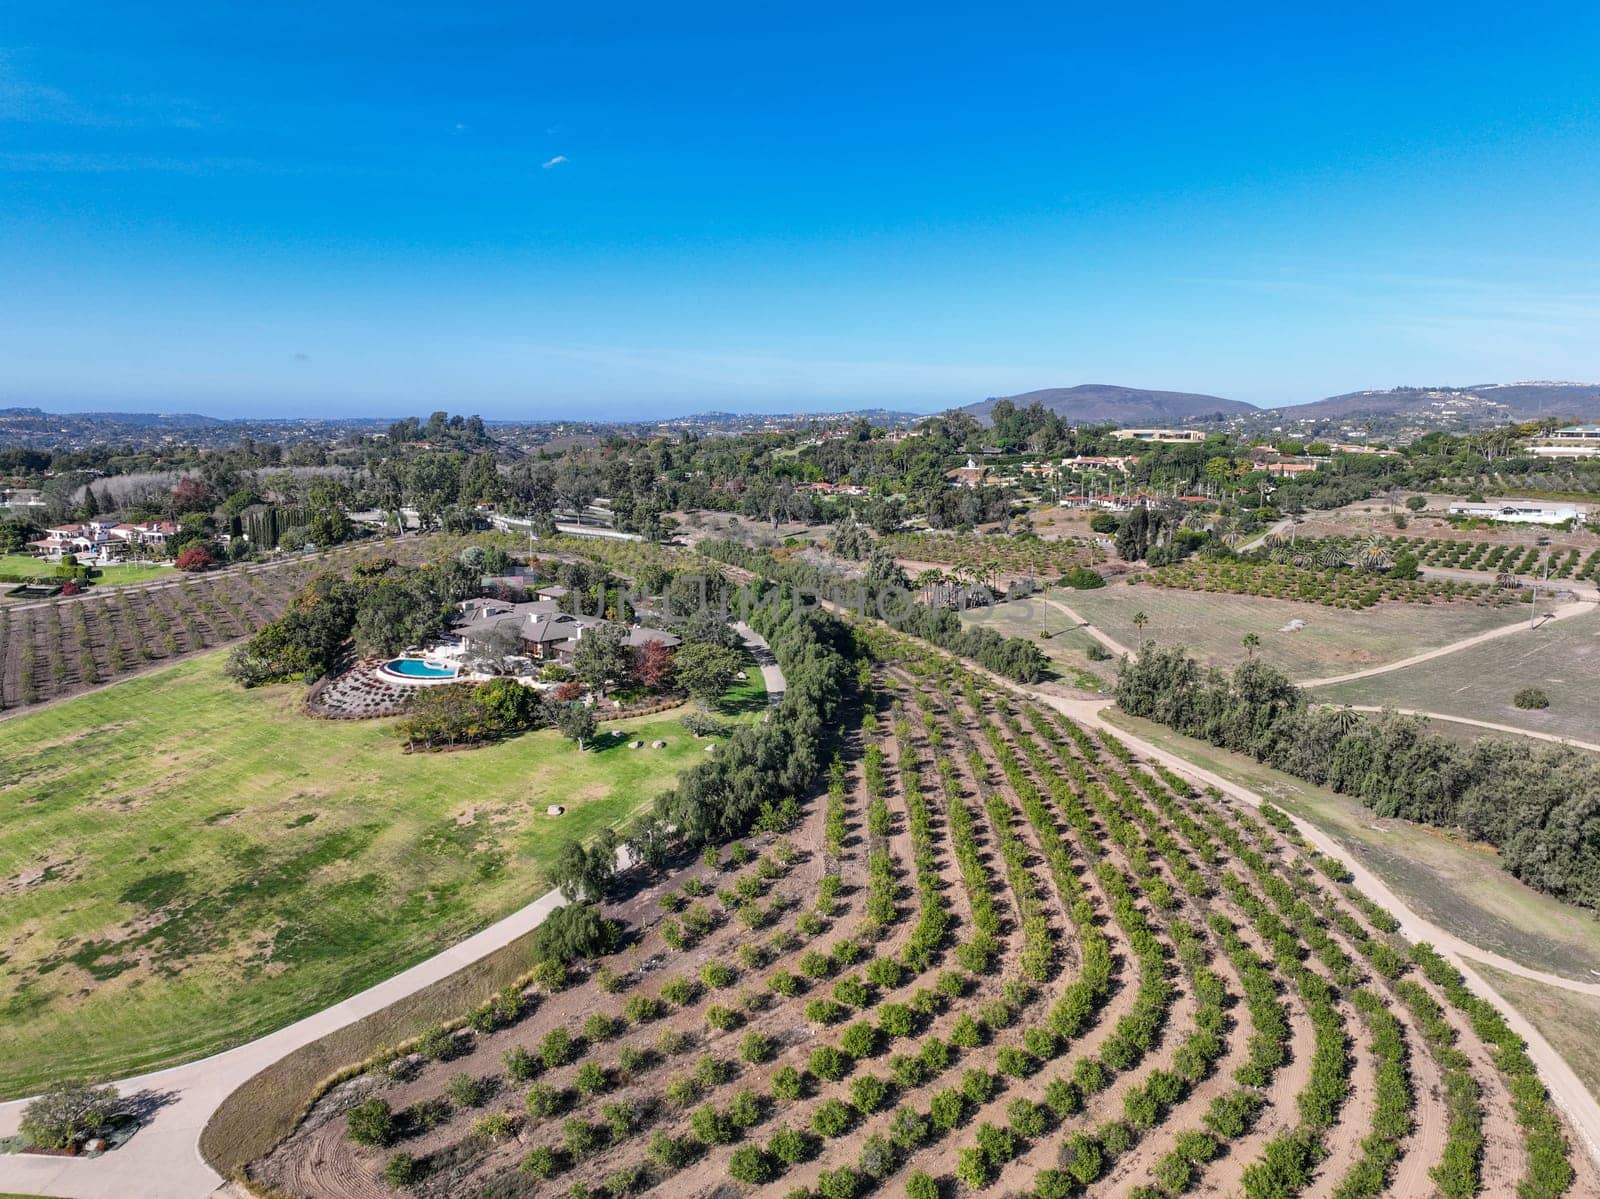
pixel 1332 588
pixel 68 645
pixel 1566 561
pixel 999 956
pixel 993 555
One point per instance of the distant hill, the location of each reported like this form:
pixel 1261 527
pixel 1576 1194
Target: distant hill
pixel 1102 403
pixel 1480 403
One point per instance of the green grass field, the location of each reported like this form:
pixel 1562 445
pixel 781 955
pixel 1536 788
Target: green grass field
pixel 1459 887
pixel 188 865
pixel 1334 641
pixel 1065 647
pixel 1561 657
pixel 15 567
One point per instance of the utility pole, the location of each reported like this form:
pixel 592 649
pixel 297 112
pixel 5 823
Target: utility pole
pixel 1533 616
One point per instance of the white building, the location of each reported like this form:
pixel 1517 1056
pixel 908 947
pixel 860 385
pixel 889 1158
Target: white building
pixel 1521 512
pixel 1174 436
pixel 1574 441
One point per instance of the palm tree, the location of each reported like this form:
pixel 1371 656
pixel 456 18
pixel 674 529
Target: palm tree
pixel 1373 555
pixel 1252 642
pixel 1345 719
pixel 1139 621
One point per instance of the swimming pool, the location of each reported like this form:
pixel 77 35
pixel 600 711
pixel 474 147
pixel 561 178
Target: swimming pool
pixel 418 670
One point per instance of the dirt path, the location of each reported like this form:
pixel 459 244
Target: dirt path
pixel 1105 639
pixel 1481 724
pixel 1564 612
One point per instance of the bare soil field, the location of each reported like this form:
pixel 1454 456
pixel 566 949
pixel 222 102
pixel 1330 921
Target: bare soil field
pixel 1561 658
pixel 1000 954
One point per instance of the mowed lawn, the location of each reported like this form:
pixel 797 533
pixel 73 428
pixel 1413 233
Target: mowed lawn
pixel 1561 657
pixel 17 566
pixel 1333 641
pixel 187 865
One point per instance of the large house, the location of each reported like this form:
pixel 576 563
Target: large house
pixel 98 542
pixel 1574 441
pixel 1522 512
pixel 539 629
pixel 1169 436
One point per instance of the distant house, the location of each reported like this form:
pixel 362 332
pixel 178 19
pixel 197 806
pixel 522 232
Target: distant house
pixel 1289 470
pixel 1574 441
pixel 1521 512
pixel 1118 462
pixel 1173 436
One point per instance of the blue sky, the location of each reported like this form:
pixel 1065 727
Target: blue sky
pixel 527 210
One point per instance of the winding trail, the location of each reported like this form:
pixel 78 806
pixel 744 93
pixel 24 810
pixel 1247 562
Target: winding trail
pixel 163 1160
pixel 1479 724
pixel 1564 612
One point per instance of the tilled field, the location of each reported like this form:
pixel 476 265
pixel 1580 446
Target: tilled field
pixel 1001 956
pixel 59 648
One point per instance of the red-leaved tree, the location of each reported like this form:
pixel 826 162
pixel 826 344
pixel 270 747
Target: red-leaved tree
pixel 651 665
pixel 195 558
pixel 569 691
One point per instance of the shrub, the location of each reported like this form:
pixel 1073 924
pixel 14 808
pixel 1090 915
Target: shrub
pixel 558 1048
pixel 542 1100
pixel 966 1032
pixel 1026 1118
pixel 750 1165
pixel 520 1065
pixel 787 1083
pixel 825 1011
pixel 789 1145
pixel 828 1063
pixel 641 1009
pixel 369 1123
pixel 718 975
pixel 401 1170
pixel 672 1153
pixel 896 1020
pixel 722 1018
pixel 1014 1062
pixel 946 1109
pixel 600 1027
pixel 831 1119
pixel 1531 698
pixel 540 1162
pixel 467 1091
pixel 851 991
pixel 712 1071
pixel 495 1126
pixel 783 983
pixel 756 1048
pixel 878 1158
pixel 978 1085
pixel 1081 578
pixel 868 1093
pixel 745 1110
pixel 680 991
pixel 437 1044
pixel 972 1168
pixel 814 964
pixel 711 1127
pixel 860 1040
pixel 591 1078
pixel 842 1183
pixel 70 1112
pixel 908 1128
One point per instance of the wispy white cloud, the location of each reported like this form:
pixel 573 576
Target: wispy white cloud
pixel 558 160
